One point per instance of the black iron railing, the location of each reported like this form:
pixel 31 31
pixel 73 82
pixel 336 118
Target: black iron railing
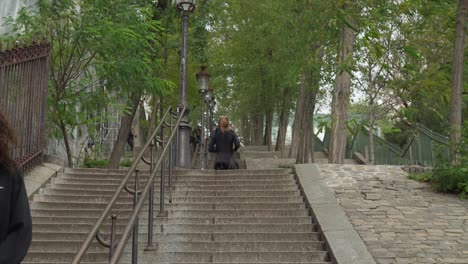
pixel 23 95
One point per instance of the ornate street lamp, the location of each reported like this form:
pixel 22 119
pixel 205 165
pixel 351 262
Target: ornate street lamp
pixel 184 160
pixel 186 5
pixel 203 78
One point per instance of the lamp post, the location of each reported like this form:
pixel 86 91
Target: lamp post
pixel 209 99
pixel 184 160
pixel 213 121
pixel 203 78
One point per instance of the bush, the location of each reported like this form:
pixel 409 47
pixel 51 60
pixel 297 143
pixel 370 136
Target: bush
pixel 93 163
pixel 451 179
pixel 126 163
pixel 423 177
pixel 446 178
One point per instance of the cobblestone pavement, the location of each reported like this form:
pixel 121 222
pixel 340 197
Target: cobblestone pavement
pixel 400 220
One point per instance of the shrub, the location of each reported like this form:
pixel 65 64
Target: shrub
pixel 95 163
pixel 126 163
pixel 423 177
pixel 451 179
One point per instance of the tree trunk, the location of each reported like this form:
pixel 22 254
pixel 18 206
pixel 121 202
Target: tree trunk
pixel 125 125
pixel 340 101
pixel 258 129
pixel 371 137
pixel 251 125
pixel 283 122
pixel 457 83
pixel 154 115
pixel 268 127
pixel 298 118
pixel 67 143
pixel 304 154
pixel 245 129
pixel 312 140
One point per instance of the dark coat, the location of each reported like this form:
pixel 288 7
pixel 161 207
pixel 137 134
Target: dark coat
pixel 224 145
pixel 15 218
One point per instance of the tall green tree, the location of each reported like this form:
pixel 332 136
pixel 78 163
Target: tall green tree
pixel 93 42
pixel 342 87
pixel 457 83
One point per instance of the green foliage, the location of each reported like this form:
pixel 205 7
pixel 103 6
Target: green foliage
pixel 95 163
pixel 422 177
pixel 398 134
pixel 451 179
pixel 260 49
pixel 126 163
pixel 102 163
pixel 101 51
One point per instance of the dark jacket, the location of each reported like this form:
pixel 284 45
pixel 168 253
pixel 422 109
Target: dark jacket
pixel 224 145
pixel 15 218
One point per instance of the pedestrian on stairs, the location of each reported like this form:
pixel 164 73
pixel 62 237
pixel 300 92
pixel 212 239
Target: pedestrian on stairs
pixel 224 143
pixel 15 215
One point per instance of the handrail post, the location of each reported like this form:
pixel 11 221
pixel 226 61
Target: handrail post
pixel 112 238
pixel 162 212
pixel 150 246
pixel 135 227
pixel 169 180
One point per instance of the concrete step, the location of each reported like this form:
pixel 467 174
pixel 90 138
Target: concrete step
pixel 174 198
pixel 258 148
pixel 59 262
pixel 268 187
pixel 170 206
pixel 197 246
pixel 209 185
pixel 206 172
pixel 175 213
pixel 181 181
pixel 237 213
pixel 236 257
pixel 171 257
pixel 193 220
pixel 150 262
pixel 65 189
pixel 190 237
pixel 185 228
pixel 54 256
pixel 60 190
pixel 118 178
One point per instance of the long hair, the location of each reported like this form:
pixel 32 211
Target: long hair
pixel 7 138
pixel 223 124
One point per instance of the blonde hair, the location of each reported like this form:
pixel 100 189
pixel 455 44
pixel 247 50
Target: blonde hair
pixel 223 124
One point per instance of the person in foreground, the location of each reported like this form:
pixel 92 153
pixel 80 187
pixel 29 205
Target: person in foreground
pixel 224 143
pixel 15 215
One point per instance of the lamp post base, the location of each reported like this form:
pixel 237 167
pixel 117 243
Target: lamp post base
pixel 184 158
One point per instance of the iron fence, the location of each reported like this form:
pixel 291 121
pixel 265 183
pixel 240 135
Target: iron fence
pixel 425 147
pixel 23 95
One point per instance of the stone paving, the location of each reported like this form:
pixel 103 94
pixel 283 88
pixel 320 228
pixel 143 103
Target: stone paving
pixel 400 220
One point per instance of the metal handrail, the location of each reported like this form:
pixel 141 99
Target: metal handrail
pixel 91 235
pixel 133 219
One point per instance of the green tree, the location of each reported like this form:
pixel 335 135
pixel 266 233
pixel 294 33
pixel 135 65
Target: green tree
pixel 101 44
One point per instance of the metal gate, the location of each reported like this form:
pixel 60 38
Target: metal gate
pixel 23 95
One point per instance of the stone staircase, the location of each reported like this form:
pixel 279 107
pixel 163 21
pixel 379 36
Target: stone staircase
pixel 241 216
